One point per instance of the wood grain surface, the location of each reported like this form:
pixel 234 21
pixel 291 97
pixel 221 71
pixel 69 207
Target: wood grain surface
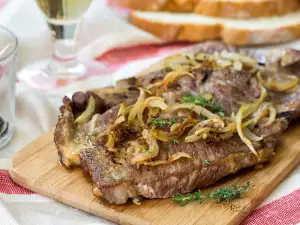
pixel 36 167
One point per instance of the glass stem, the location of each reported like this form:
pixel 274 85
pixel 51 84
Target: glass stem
pixel 64 62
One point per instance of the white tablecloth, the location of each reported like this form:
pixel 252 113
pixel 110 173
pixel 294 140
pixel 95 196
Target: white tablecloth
pixel 37 111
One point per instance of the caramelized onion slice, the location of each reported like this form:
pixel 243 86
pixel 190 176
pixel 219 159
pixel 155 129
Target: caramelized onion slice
pixel 110 141
pixel 174 75
pixel 156 102
pixel 250 135
pixel 88 113
pixel 137 106
pixel 265 109
pixel 202 133
pixel 179 62
pixel 163 135
pixel 151 102
pixel 272 116
pixel 171 159
pixel 179 128
pixel 251 108
pixel 122 109
pixel 176 131
pixel 196 108
pixel 152 152
pixel 284 83
pixel 239 118
pixel 202 56
pixel 232 126
pixel 261 112
pixel 238 57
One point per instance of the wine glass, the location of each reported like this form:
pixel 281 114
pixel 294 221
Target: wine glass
pixel 62 18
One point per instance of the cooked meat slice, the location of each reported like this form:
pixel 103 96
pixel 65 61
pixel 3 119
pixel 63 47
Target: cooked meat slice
pixel 271 57
pixel 63 135
pixel 287 103
pixel 152 77
pixel 114 96
pixel 117 182
pixel 126 83
pixel 107 160
pixel 232 88
pixel 68 135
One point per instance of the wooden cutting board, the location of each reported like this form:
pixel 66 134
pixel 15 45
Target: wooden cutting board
pixel 36 167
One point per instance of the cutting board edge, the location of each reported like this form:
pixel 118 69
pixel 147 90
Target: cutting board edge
pixel 17 178
pixel 257 201
pixel 122 218
pixel 119 216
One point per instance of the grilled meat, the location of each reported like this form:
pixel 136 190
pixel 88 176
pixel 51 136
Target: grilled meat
pixel 116 178
pixel 116 183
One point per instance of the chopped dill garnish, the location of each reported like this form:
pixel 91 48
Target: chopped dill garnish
pixel 207 161
pixel 162 122
pixel 173 121
pixel 225 194
pixel 211 105
pixel 185 199
pixel 228 194
pixel 208 195
pixel 188 98
pixel 175 142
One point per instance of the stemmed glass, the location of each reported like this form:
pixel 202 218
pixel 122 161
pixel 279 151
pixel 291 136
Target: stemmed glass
pixel 62 18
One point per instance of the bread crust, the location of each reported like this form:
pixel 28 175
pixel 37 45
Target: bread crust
pixel 147 5
pixel 179 6
pixel 218 8
pixel 246 9
pixel 242 37
pixel 201 32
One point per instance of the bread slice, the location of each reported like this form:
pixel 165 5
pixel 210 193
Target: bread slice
pixel 194 27
pixel 218 8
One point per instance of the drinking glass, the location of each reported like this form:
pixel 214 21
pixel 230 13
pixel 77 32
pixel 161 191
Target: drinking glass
pixel 62 18
pixel 8 49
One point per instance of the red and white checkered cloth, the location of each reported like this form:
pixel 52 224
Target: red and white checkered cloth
pixel 126 55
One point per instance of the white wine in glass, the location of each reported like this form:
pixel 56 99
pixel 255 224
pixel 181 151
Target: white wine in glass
pixel 63 11
pixel 62 18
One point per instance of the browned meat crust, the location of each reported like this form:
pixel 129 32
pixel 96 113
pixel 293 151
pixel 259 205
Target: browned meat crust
pixel 117 183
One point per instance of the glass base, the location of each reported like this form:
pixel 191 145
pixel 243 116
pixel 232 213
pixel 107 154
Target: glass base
pixel 45 74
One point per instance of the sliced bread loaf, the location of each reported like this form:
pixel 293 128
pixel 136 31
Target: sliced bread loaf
pixel 194 27
pixel 217 8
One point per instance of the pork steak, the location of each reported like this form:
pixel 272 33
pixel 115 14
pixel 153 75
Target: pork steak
pixel 116 181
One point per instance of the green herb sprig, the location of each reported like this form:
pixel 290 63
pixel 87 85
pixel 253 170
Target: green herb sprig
pixel 211 105
pixel 228 194
pixel 162 122
pixel 207 161
pixel 185 199
pixel 225 194
pixel 175 142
